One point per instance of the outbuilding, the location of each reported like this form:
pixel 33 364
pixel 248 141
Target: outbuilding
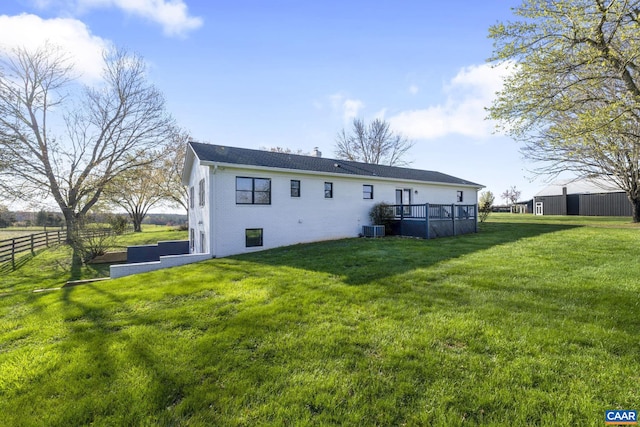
pixel 586 197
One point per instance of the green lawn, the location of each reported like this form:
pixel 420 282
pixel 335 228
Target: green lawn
pixel 532 321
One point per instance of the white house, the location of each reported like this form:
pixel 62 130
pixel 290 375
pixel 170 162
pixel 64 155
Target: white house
pixel 245 200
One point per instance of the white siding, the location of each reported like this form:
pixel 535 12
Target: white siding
pixel 308 218
pixel 199 219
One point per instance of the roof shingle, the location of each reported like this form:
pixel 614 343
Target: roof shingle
pixel 269 159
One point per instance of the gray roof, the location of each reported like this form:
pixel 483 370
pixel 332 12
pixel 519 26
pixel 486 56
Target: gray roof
pixel 580 186
pixel 269 159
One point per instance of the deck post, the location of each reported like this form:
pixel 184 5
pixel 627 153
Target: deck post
pixel 401 218
pixel 453 218
pixel 426 220
pixel 476 217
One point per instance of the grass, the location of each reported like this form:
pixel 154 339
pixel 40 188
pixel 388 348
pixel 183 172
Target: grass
pixel 529 322
pixel 51 268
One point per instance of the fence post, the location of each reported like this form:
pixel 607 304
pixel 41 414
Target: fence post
pixel 58 236
pixel 46 238
pixel 32 248
pixel 426 221
pixel 13 254
pixel 453 218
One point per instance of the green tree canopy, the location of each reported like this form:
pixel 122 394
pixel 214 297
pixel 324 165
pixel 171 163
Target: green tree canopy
pixel 573 97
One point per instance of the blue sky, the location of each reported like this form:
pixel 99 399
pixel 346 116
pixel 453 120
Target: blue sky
pixel 293 73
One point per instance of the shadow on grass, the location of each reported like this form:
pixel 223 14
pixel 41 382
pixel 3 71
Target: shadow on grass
pixel 360 261
pixel 20 261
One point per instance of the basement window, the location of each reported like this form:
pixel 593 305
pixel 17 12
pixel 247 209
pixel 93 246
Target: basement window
pixel 253 237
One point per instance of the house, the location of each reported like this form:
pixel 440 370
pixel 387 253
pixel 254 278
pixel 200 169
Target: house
pixel 244 200
pixel 587 197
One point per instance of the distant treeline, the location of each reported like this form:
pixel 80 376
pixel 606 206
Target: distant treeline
pixel 55 219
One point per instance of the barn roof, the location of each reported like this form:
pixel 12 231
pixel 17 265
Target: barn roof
pixel 579 186
pixel 269 159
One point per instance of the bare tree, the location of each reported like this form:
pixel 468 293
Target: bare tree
pixel 66 142
pixel 173 157
pixel 374 143
pixel 511 195
pixel 284 150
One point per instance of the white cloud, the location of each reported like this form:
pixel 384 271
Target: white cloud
pixel 73 36
pixel 172 15
pixel 348 108
pixel 413 89
pixel 463 112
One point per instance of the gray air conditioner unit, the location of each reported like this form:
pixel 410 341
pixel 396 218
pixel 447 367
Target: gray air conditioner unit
pixel 373 230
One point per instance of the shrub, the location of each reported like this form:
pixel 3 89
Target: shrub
pixel 118 223
pixel 485 205
pixel 382 214
pixel 91 241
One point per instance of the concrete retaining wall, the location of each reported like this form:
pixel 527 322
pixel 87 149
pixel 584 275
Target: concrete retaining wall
pixel 121 270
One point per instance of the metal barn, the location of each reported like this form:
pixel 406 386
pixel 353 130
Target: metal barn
pixel 585 197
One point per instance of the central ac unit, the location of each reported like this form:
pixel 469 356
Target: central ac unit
pixel 373 230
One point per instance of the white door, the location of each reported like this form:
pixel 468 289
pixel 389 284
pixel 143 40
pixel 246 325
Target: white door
pixel 539 208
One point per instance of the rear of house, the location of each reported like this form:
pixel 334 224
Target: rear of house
pixel 246 200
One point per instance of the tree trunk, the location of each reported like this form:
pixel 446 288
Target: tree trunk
pixel 635 209
pixel 137 219
pixel 71 224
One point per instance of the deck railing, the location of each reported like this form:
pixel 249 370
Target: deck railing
pixel 442 219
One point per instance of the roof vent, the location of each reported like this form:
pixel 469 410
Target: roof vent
pixel 316 152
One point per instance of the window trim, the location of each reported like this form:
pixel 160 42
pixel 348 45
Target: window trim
pixel 328 194
pixel 253 190
pixel 293 193
pixel 247 238
pixel 367 193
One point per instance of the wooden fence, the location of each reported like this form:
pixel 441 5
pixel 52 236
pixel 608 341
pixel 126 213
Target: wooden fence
pixel 11 249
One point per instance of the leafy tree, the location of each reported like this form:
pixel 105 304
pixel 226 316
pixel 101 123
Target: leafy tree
pixel 48 219
pixel 6 217
pixel 511 195
pixel 573 98
pixel 485 204
pixel 373 143
pixel 139 189
pixel 59 140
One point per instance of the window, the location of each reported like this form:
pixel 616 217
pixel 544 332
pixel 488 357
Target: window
pixel 192 202
pixel 328 190
pixel 459 198
pixel 203 242
pixel 253 237
pixel 253 191
pixel 367 191
pixel 295 188
pixel 192 240
pixel 201 192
